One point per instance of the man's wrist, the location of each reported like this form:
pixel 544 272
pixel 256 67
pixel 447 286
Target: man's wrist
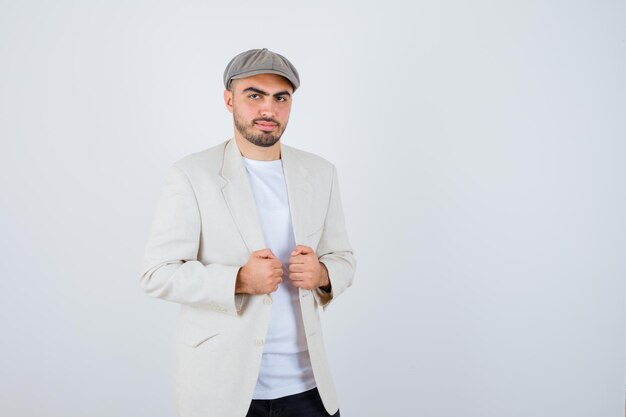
pixel 239 288
pixel 325 281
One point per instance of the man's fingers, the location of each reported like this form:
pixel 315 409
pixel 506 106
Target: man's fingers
pixel 261 253
pixel 264 253
pixel 275 263
pixel 300 276
pixel 295 251
pixel 301 250
pixel 300 259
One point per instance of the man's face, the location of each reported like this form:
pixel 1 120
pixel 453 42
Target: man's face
pixel 260 105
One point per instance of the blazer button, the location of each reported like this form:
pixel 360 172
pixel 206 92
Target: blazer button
pixel 267 300
pixel 259 342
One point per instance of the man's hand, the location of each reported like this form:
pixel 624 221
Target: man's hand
pixel 260 275
pixel 305 269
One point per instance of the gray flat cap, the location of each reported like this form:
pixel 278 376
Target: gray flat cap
pixel 260 61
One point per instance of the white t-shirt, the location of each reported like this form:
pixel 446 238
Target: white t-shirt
pixel 285 366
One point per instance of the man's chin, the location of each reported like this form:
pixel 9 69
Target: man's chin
pixel 264 141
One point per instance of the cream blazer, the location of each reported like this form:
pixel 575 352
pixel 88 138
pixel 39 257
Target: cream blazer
pixel 205 226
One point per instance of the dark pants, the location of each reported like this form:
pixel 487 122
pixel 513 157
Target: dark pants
pixel 305 404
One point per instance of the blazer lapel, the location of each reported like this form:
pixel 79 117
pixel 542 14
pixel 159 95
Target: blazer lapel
pixel 239 198
pixel 241 203
pixel 299 192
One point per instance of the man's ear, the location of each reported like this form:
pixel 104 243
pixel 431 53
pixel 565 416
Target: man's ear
pixel 228 100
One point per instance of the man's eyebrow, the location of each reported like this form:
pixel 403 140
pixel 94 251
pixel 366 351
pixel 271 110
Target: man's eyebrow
pixel 263 93
pixel 255 90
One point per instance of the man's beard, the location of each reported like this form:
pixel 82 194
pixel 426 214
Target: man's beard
pixel 260 139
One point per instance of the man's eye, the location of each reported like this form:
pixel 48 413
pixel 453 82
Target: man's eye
pixel 254 96
pixel 281 98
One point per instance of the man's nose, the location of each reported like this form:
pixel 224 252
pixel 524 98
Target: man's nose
pixel 268 109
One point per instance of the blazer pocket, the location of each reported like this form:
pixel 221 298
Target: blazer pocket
pixel 193 335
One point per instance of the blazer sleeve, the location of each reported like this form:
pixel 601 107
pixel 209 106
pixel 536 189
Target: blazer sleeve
pixel 334 249
pixel 170 269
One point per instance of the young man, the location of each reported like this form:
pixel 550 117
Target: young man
pixel 249 238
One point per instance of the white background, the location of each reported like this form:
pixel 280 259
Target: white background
pixel 481 151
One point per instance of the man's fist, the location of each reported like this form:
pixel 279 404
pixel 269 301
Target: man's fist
pixel 305 270
pixel 260 275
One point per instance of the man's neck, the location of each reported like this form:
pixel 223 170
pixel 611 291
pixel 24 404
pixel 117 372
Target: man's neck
pixel 259 153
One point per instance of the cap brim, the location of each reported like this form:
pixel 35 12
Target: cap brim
pixel 257 72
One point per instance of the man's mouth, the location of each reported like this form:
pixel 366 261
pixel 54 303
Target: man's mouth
pixel 266 126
